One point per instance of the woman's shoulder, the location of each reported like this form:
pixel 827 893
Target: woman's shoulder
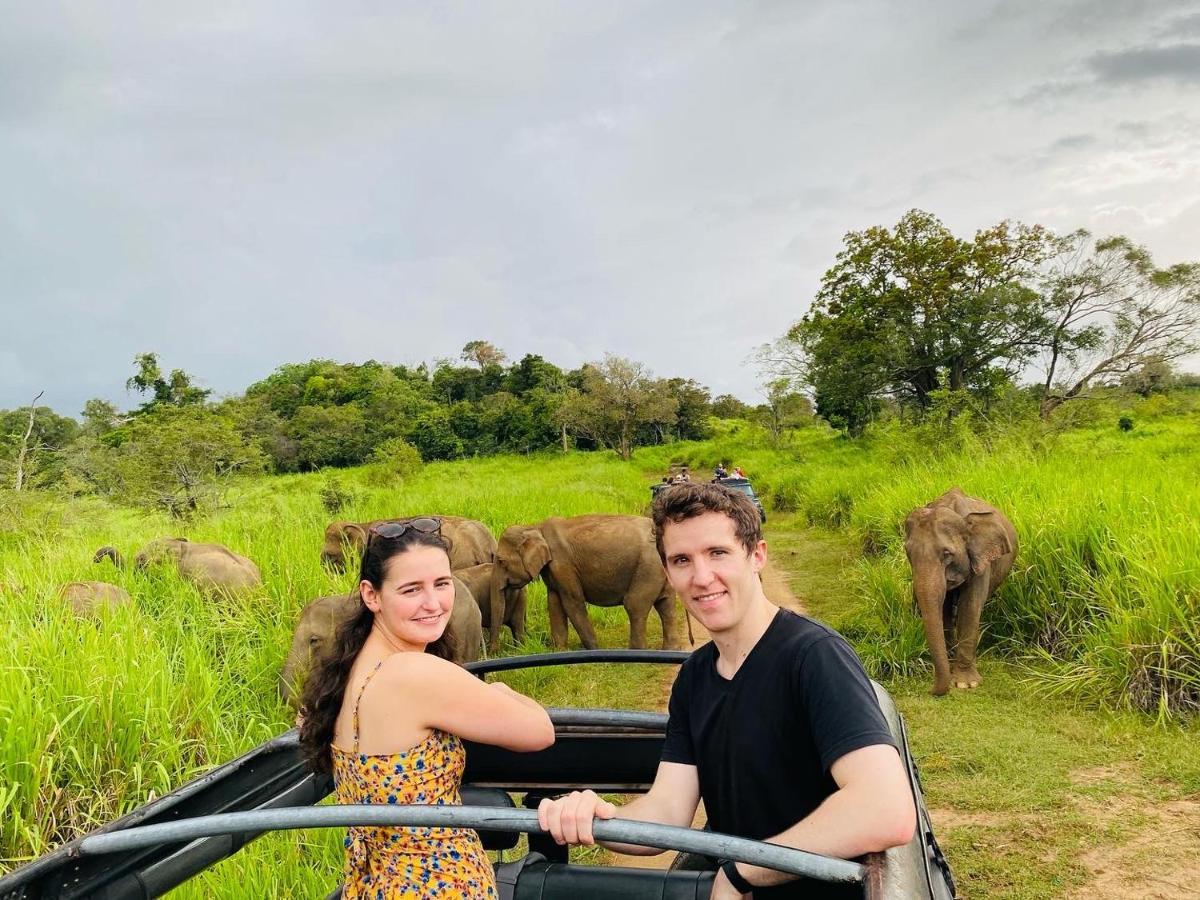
pixel 410 666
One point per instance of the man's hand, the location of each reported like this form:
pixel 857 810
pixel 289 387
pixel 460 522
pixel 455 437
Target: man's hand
pixel 723 890
pixel 569 818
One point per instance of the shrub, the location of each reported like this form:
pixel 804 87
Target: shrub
pixel 334 495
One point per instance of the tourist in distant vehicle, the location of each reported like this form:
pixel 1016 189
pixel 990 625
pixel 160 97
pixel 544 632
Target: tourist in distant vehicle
pixel 774 724
pixel 720 472
pixel 386 714
pixel 738 473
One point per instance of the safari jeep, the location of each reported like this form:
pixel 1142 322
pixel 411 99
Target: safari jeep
pixel 164 843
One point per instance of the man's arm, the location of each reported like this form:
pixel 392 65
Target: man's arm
pixel 671 800
pixel 871 810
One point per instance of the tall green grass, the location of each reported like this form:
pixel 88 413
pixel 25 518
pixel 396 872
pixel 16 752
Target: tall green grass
pixel 98 717
pixel 1105 591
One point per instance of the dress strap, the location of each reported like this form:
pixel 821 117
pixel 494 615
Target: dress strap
pixel 358 700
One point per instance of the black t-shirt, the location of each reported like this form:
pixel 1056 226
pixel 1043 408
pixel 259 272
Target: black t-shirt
pixel 763 742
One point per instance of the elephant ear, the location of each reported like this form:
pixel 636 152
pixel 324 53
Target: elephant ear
pixel 355 535
pixel 535 553
pixel 986 540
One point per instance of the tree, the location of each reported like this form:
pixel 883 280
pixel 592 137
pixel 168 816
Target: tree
pixel 694 408
pixel 617 397
pixel 727 406
pixel 174 458
pixel 175 389
pixel 23 447
pixel 99 417
pixel 901 307
pixel 785 407
pixel 433 435
pixel 483 354
pixel 1114 313
pixel 329 436
pixel 1155 376
pixel 32 441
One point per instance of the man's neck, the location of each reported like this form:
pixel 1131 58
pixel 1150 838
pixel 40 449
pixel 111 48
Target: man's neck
pixel 734 645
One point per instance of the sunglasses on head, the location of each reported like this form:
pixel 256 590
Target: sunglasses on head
pixel 391 530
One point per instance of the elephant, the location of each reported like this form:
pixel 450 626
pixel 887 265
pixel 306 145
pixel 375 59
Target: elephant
pixel 960 549
pixel 93 598
pixel 320 619
pixel 479 580
pixel 471 542
pixel 213 568
pixel 605 560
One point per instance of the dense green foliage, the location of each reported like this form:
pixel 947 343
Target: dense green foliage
pixel 1106 589
pixel 910 310
pixel 176 451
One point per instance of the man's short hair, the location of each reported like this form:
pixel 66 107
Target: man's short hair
pixel 689 499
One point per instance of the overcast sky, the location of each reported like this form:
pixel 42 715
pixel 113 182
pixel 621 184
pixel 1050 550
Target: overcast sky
pixel 272 182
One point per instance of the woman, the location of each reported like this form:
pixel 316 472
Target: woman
pixel 386 711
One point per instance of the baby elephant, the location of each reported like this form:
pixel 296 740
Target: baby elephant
pixel 93 598
pixel 960 549
pixel 319 621
pixel 213 568
pixel 478 580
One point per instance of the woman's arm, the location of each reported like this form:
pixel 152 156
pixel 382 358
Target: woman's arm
pixel 447 697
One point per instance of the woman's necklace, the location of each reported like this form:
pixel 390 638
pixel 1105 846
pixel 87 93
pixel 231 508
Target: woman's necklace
pixel 384 634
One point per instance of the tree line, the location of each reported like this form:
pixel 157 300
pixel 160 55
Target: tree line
pixel 911 314
pixel 179 447
pixel 910 320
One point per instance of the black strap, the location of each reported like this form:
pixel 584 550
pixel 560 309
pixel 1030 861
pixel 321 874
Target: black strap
pixel 739 882
pixel 508 873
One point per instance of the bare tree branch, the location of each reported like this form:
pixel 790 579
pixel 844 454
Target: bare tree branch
pixel 23 452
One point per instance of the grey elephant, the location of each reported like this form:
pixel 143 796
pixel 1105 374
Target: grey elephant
pixel 213 568
pixel 93 598
pixel 599 559
pixel 471 542
pixel 320 619
pixel 960 549
pixel 479 580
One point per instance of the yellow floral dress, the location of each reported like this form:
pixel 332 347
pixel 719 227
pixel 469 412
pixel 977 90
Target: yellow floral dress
pixel 390 863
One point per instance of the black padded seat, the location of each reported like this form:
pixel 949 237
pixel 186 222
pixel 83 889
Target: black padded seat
pixel 479 796
pixel 562 881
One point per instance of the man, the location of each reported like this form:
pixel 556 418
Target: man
pixel 773 724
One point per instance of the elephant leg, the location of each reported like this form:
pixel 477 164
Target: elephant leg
pixel 637 627
pixel 574 602
pixel 666 608
pixel 558 619
pixel 516 622
pixel 577 613
pixel 963 673
pixel 949 632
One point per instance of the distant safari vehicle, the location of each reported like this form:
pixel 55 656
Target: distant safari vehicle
pixel 732 482
pixel 159 846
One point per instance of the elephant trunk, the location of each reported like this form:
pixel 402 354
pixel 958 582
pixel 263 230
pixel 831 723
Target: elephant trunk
pixel 929 591
pixel 292 673
pixel 499 590
pixel 110 553
pixel 334 561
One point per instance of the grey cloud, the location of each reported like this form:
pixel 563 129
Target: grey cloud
pixel 1074 142
pixel 1184 26
pixel 236 187
pixel 1178 62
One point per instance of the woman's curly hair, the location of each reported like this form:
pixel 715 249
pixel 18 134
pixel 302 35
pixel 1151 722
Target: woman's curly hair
pixel 325 688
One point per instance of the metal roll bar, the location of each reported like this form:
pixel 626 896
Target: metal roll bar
pixel 574 657
pixel 664 837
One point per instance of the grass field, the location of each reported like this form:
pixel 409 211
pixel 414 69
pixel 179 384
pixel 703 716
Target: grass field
pixel 1101 612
